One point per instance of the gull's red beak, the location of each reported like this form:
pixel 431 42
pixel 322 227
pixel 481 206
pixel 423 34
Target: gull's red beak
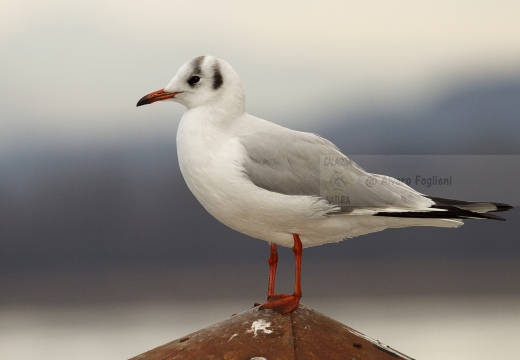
pixel 156 96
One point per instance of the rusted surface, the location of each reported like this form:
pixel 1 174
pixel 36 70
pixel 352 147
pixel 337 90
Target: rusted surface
pixel 254 333
pixel 317 336
pixel 303 334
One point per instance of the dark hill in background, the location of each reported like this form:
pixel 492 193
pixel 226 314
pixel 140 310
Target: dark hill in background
pixel 473 118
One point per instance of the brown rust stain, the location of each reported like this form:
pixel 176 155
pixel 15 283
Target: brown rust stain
pixel 303 334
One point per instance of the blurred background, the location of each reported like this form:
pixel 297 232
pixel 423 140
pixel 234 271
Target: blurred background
pixel 104 251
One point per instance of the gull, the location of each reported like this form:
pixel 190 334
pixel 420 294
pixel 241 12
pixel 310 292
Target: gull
pixel 289 188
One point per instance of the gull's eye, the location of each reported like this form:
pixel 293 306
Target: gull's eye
pixel 193 80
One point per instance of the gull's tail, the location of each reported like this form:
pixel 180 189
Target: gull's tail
pixel 455 209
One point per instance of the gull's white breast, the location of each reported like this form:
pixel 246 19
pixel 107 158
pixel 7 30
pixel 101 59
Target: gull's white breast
pixel 210 159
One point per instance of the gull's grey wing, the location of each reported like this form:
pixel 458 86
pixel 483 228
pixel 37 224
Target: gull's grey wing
pixel 285 163
pixel 297 163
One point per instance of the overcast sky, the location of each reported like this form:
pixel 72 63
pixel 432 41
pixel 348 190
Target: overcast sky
pixel 73 70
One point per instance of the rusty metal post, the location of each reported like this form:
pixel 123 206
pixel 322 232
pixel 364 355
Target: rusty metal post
pixel 266 335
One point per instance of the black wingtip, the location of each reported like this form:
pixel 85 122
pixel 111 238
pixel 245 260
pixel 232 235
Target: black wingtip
pixel 502 207
pixel 448 213
pixel 452 209
pixel 461 203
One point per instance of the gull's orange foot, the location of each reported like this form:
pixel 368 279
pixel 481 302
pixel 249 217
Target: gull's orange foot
pixel 282 303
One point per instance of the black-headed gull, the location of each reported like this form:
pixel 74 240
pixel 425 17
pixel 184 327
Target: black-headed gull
pixel 283 186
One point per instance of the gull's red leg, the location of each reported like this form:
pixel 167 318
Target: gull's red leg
pixel 284 303
pixel 297 250
pixel 273 262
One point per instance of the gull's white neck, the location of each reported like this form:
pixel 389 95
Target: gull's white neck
pixel 207 150
pixel 203 132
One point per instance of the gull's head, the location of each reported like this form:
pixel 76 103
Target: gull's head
pixel 204 80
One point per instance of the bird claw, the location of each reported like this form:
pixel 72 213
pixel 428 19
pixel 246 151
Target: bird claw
pixel 282 303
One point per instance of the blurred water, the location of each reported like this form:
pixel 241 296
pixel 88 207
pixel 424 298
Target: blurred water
pixel 425 328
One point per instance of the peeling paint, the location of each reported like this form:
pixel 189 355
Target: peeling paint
pixel 260 325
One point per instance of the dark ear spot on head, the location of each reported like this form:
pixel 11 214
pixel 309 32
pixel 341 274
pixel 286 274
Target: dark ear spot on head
pixel 217 77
